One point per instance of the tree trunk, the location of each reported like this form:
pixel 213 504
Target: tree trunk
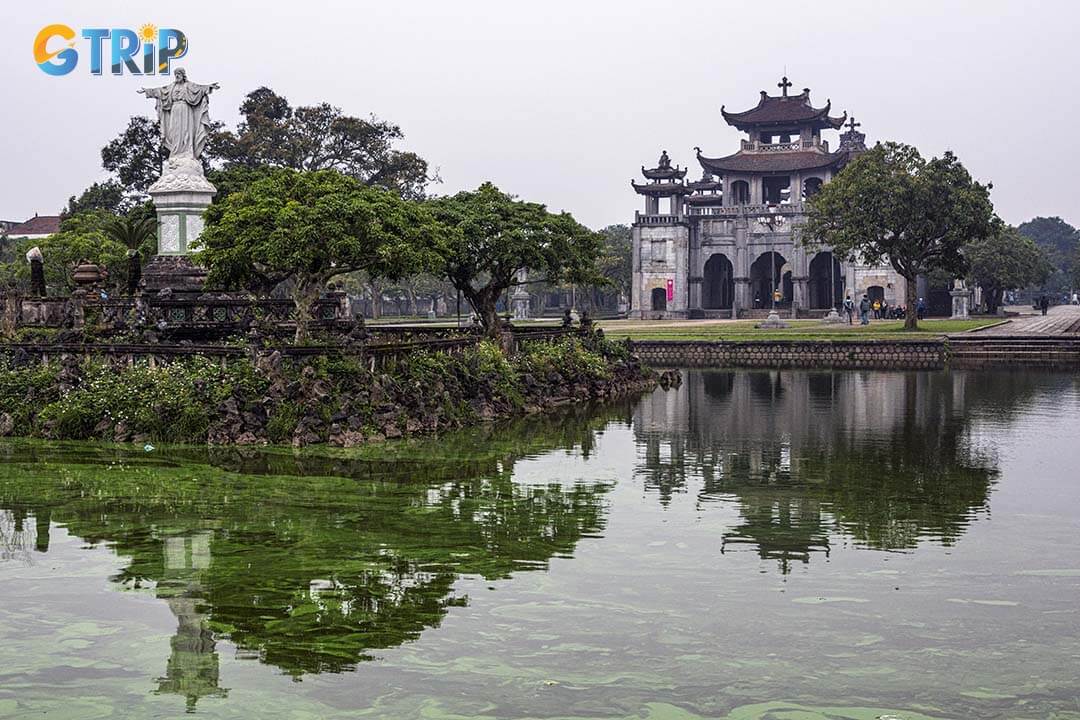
pixel 410 301
pixel 305 293
pixel 484 302
pixel 376 300
pixel 134 272
pixel 911 297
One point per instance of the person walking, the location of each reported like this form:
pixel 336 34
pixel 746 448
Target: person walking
pixel 849 309
pixel 1075 298
pixel 1044 304
pixel 864 310
pixel 876 305
pixel 920 309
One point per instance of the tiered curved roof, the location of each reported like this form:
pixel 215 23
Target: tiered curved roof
pixel 742 162
pixel 784 111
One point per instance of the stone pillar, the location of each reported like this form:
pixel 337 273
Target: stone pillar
pixel 960 300
pixel 519 299
pixel 800 290
pixel 741 268
pixel 693 277
pixel 180 196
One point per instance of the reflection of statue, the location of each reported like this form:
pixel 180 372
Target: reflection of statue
pixel 192 671
pixel 182 109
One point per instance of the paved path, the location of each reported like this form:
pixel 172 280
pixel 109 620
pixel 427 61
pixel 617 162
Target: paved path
pixel 1059 320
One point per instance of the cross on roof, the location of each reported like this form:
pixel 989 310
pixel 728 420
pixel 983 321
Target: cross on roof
pixel 784 84
pixel 852 124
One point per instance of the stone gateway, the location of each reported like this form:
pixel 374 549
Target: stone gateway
pixel 726 245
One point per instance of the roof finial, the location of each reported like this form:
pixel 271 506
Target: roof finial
pixel 852 124
pixel 784 84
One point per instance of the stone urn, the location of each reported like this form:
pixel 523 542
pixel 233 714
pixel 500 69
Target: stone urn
pixel 86 274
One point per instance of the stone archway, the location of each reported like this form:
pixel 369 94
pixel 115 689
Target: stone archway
pixel 820 282
pixel 659 299
pixel 767 268
pixel 719 277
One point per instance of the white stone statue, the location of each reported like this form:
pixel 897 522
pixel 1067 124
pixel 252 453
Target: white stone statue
pixel 183 114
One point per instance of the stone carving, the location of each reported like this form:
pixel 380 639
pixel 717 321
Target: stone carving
pixel 169 240
pixel 195 225
pixel 183 114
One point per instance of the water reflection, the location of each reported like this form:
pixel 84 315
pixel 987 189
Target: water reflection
pixel 885 459
pixel 307 563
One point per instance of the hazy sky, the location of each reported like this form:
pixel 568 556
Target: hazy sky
pixel 562 102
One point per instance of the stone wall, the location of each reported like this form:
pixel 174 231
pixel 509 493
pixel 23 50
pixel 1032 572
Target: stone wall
pixel 900 354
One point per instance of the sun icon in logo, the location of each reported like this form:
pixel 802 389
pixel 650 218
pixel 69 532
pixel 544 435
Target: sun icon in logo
pixel 148 32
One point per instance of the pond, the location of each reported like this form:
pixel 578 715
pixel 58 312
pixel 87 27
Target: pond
pixel 774 544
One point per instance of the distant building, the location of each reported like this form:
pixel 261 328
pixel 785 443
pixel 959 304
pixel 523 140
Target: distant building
pixel 36 227
pixel 725 246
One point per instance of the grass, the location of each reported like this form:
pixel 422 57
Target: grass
pixel 798 330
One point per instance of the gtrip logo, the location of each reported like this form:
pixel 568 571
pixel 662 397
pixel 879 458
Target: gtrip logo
pixel 148 51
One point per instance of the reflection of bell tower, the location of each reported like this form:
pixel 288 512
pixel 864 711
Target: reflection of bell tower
pixel 192 670
pixel 17 536
pixel 786 527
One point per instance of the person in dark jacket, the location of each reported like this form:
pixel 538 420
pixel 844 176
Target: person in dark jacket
pixel 864 310
pixel 1044 304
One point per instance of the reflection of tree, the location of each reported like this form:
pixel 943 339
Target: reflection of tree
pixel 884 458
pixel 311 562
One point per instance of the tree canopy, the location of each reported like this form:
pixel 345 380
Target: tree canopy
pixel 1003 260
pixel 272 134
pixel 891 205
pixel 308 227
pixel 321 137
pixel 1061 243
pixel 616 261
pixel 493 238
pixel 81 237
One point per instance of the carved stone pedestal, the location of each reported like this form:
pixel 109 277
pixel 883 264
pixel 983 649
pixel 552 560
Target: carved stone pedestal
pixel 960 301
pixel 519 303
pixel 773 321
pixel 833 318
pixel 177 273
pixel 180 196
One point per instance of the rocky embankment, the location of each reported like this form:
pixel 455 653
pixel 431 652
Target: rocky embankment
pixel 329 398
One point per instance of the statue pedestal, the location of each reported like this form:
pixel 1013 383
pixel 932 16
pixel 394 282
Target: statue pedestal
pixel 519 303
pixel 833 318
pixel 180 196
pixel 960 301
pixel 773 321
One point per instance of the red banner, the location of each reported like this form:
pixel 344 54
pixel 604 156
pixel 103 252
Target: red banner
pixel 670 290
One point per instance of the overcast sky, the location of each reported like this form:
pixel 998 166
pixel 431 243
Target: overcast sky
pixel 562 102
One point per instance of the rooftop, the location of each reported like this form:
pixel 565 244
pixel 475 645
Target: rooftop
pixel 784 111
pixel 771 162
pixel 37 225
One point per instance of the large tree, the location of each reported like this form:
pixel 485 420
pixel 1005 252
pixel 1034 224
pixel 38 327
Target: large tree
pixel 108 196
pixel 1004 260
pixel 307 228
pixel 494 238
pixel 135 155
pixel 891 205
pixel 321 137
pixel 1061 242
pixel 275 134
